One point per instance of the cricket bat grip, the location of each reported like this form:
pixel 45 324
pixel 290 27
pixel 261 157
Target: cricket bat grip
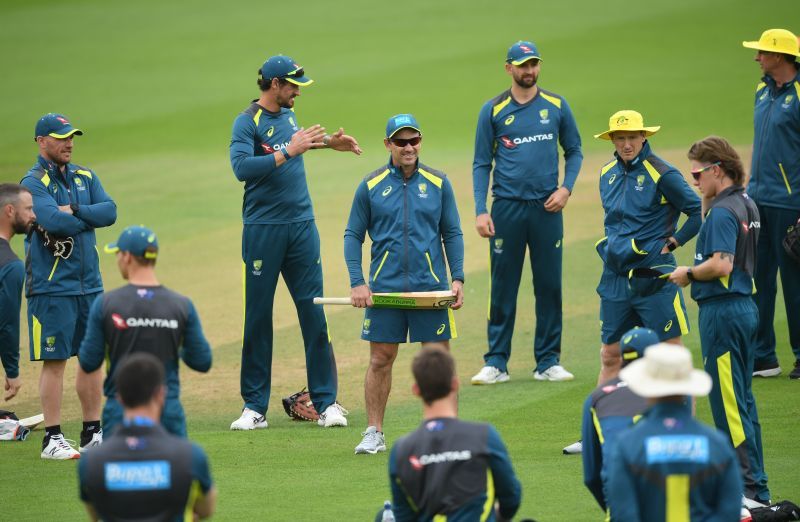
pixel 332 301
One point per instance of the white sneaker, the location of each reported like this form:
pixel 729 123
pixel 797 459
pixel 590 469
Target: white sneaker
pixel 372 443
pixel 59 448
pixel 97 439
pixel 333 416
pixel 554 373
pixel 490 375
pixel 250 420
pixel 576 448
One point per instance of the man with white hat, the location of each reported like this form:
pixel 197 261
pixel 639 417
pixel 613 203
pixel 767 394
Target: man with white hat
pixel 669 466
pixel 775 187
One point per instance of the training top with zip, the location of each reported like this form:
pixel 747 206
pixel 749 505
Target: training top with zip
pixel 12 274
pixel 50 188
pixel 520 138
pixel 643 200
pixel 272 195
pixel 408 220
pixel 775 168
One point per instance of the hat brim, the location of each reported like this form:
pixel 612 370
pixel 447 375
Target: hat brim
pixel 303 81
pixel 524 59
pixel 67 134
pixel 757 46
pixel 401 128
pixel 635 375
pixel 111 248
pixel 648 131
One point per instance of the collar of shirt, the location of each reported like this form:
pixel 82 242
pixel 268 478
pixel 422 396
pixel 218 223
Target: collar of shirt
pixel 399 172
pixel 139 421
pixel 726 193
pixel 774 86
pixel 672 409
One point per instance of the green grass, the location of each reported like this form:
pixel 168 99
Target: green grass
pixel 156 86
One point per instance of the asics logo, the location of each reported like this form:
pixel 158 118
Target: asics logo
pixel 440 329
pixel 386 191
pixel 668 326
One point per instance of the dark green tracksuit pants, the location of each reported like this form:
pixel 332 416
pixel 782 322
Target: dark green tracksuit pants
pixel 519 225
pixel 293 251
pixel 727 333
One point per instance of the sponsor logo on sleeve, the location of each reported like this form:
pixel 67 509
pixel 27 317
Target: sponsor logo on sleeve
pixel 145 475
pixel 677 448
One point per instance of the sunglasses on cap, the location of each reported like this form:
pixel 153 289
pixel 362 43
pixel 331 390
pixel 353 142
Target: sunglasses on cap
pixel 401 142
pixel 294 74
pixel 696 173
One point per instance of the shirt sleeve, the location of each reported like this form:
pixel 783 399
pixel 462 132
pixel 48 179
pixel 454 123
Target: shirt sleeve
pixel 196 352
pixel 622 507
pixel 93 347
pixel 592 455
pixel 47 214
pixel 10 303
pixel 482 161
pixel 400 506
pixel 452 237
pixel 506 485
pixel 201 472
pixel 102 212
pixel 681 196
pixel 355 233
pixel 570 140
pixel 246 165
pixel 721 232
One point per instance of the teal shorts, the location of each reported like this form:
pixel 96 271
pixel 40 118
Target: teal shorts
pixel 663 312
pixel 56 325
pixel 388 325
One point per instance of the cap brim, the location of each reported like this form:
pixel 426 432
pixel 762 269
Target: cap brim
pixel 67 134
pixel 643 385
pixel 111 248
pixel 302 81
pixel 648 131
pixel 404 127
pixel 524 59
pixel 757 46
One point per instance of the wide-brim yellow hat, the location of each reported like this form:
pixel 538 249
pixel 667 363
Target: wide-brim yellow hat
pixel 776 41
pixel 626 121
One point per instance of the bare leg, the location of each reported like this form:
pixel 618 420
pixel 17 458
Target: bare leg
pixel 90 392
pixel 51 388
pixel 444 345
pixel 378 381
pixel 610 362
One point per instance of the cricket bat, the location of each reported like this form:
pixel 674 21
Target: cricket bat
pixel 401 300
pixel 32 422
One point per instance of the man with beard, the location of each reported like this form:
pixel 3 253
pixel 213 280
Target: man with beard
pixel 518 131
pixel 16 217
pixel 280 237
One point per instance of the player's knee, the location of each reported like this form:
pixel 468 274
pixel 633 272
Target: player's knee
pixel 610 357
pixel 382 357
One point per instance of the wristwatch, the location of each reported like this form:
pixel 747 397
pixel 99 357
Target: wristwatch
pixel 690 275
pixel 671 245
pixel 326 140
pixel 74 207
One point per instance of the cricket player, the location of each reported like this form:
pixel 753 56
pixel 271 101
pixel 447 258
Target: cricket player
pixel 775 187
pixel 61 283
pixel 281 238
pixel 449 469
pixel 142 316
pixel 669 466
pixel 409 210
pixel 722 285
pixel 142 472
pixel 518 132
pixel 16 217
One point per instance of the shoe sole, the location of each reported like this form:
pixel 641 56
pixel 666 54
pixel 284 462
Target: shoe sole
pixel 772 372
pixel 50 457
pixel 540 377
pixel 499 380
pixel 256 427
pixel 371 452
pixel 334 425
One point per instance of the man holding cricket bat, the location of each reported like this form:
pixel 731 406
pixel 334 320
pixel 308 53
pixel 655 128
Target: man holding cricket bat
pixel 409 211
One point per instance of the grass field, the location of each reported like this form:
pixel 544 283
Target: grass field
pixel 156 85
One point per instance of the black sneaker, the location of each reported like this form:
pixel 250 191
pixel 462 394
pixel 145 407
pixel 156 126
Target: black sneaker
pixel 795 374
pixel 769 369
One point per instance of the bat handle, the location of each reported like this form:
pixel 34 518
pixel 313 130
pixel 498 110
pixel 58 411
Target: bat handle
pixel 332 300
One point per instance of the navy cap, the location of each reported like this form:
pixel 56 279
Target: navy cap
pixel 521 52
pixel 284 67
pixel 401 121
pixel 138 240
pixel 635 341
pixel 55 125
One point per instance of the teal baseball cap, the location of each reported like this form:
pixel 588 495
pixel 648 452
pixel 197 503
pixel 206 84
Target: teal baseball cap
pixel 283 67
pixel 401 121
pixel 635 341
pixel 138 240
pixel 521 52
pixel 55 125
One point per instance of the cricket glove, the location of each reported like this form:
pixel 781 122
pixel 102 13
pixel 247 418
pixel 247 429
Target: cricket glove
pixel 791 243
pixel 59 246
pixel 299 406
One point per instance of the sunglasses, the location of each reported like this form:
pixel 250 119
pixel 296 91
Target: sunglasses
pixel 400 142
pixel 696 173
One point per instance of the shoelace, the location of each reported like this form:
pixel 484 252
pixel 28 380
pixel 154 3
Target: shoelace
pixel 64 443
pixel 373 436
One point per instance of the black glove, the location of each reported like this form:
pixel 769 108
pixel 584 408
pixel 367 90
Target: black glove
pixel 791 243
pixel 59 246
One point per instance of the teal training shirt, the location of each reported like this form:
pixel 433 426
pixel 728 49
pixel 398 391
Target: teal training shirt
pixel 12 274
pixel 272 195
pixel 521 140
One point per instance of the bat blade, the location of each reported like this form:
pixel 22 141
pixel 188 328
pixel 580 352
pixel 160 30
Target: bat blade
pixel 400 300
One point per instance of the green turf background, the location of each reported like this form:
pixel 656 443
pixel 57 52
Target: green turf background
pixel 156 85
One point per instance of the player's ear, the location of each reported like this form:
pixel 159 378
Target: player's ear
pixel 386 144
pixel 455 384
pixel 415 390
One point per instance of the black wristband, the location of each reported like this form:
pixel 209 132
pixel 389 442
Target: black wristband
pixel 74 207
pixel 671 245
pixel 286 154
pixel 690 275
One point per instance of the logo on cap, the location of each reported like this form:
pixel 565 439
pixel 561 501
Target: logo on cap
pixel 622 120
pixel 62 120
pixel 526 48
pixel 400 120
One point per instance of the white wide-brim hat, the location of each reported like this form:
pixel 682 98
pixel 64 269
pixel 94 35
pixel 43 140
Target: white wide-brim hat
pixel 665 370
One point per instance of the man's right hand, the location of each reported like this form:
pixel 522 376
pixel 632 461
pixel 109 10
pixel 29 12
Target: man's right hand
pixel 361 296
pixel 12 387
pixel 305 139
pixel 65 208
pixel 484 225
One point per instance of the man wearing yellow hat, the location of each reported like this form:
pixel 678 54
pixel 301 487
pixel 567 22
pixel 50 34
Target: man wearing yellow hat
pixel 775 187
pixel 643 197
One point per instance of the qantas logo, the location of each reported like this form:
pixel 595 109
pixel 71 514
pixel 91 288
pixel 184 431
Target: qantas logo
pixel 62 120
pixel 435 458
pixel 526 48
pixel 267 148
pixel 274 148
pixel 121 323
pixel 507 142
pixel 510 144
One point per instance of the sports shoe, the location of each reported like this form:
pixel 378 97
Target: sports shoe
pixel 795 374
pixel 766 369
pixel 96 440
pixel 554 373
pixel 372 443
pixel 490 375
pixel 333 416
pixel 744 515
pixel 250 420
pixel 576 448
pixel 59 448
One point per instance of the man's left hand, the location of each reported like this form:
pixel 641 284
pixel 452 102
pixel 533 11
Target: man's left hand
pixel 679 277
pixel 12 387
pixel 557 200
pixel 458 291
pixel 344 143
